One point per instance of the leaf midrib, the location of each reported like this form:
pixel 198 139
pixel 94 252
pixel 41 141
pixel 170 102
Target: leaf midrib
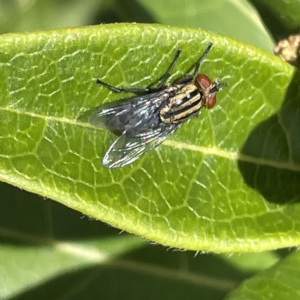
pixel 216 151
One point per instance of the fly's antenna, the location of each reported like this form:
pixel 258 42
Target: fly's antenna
pixel 217 85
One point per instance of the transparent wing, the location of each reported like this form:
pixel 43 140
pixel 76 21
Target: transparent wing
pixel 133 144
pixel 128 113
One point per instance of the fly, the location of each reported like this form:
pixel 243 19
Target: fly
pixel 145 121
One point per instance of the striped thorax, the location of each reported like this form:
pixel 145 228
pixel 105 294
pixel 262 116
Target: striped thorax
pixel 188 99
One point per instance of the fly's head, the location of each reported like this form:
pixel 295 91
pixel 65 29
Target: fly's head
pixel 208 89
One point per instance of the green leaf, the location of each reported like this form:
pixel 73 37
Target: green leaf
pixel 227 181
pixel 220 16
pixel 278 282
pixel 285 11
pixel 45 14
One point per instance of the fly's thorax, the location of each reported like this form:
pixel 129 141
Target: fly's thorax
pixel 186 102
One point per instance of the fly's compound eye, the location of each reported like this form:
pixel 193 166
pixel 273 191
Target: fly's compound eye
pixel 205 85
pixel 211 101
pixel 203 81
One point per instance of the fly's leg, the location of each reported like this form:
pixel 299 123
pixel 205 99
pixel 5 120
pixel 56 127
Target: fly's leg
pixel 167 75
pixel 122 89
pixel 201 59
pixel 168 72
pixel 189 77
pixel 186 78
pixel 143 90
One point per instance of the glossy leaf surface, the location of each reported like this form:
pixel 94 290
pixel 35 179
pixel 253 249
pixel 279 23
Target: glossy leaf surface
pixel 227 181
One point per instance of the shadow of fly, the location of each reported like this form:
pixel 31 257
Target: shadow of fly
pixel 145 121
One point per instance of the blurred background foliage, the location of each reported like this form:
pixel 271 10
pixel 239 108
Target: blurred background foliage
pixel 254 21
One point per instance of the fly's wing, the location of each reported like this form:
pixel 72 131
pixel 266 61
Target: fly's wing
pixel 133 144
pixel 125 114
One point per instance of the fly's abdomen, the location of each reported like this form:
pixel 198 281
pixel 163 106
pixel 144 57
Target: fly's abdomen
pixel 187 102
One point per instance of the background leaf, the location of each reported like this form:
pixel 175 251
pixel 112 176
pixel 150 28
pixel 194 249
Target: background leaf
pixel 285 11
pixel 212 15
pixel 280 280
pixel 279 17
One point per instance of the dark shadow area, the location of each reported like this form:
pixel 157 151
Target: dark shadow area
pixel 284 252
pixel 149 273
pixel 123 11
pixel 210 265
pixel 270 158
pixel 29 215
pixel 275 25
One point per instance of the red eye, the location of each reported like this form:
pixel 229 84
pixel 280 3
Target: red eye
pixel 203 81
pixel 211 101
pixel 205 84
